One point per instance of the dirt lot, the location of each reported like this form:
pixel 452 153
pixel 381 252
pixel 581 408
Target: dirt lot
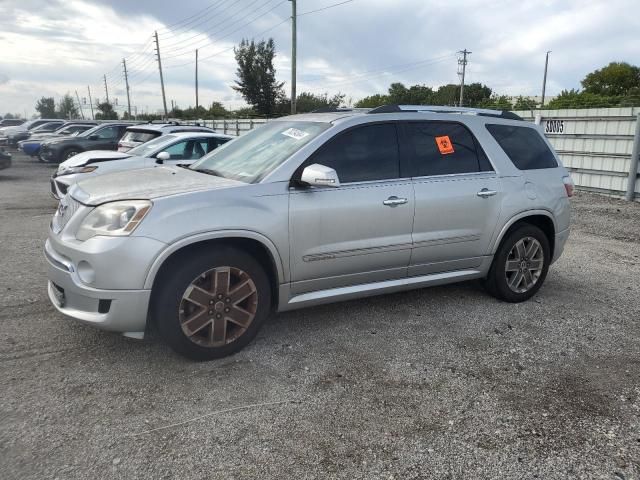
pixel 437 383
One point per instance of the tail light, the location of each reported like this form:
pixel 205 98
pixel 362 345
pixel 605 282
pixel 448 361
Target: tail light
pixel 569 186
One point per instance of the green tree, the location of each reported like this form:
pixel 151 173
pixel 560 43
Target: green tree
pixel 106 112
pixel 67 107
pixel 475 93
pixel 447 95
pixel 46 107
pixel 524 103
pixel 373 101
pixel 257 76
pixel 616 79
pixel 308 102
pixel 496 102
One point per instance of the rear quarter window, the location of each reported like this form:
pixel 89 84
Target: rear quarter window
pixel 524 146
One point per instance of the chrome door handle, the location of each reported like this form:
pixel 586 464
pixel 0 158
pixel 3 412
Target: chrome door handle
pixel 394 201
pixel 485 192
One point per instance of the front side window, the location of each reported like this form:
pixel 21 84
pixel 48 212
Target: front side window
pixel 442 148
pixel 524 146
pixel 186 150
pixel 255 154
pixel 362 154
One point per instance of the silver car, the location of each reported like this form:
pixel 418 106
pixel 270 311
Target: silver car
pixel 306 210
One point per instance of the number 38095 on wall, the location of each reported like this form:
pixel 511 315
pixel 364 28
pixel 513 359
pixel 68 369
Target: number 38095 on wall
pixel 554 126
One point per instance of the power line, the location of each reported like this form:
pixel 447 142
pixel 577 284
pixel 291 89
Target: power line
pixel 190 46
pixel 185 20
pixel 325 8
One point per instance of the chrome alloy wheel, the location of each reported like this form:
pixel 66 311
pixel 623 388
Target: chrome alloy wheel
pixel 218 306
pixel 524 264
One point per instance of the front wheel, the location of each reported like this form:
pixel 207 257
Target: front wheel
pixel 520 265
pixel 212 303
pixel 70 153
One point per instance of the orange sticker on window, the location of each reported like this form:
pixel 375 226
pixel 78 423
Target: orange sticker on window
pixel 444 145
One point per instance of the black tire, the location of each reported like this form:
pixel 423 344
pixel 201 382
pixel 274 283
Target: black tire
pixel 70 152
pixel 169 308
pixel 496 282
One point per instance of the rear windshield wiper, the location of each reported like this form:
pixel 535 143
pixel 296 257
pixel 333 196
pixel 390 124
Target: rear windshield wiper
pixel 208 171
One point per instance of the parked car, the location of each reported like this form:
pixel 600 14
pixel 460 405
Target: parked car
pixel 10 122
pixel 172 149
pixel 45 128
pixel 139 134
pixel 5 159
pixel 101 137
pixel 306 210
pixel 7 132
pixel 32 145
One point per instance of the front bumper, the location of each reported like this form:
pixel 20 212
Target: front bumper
pixel 5 160
pixel 48 154
pixel 560 242
pixel 122 311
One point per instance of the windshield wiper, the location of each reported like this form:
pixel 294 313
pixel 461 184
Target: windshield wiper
pixel 209 171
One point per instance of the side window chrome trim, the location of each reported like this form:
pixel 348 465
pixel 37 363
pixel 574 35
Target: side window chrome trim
pixel 491 174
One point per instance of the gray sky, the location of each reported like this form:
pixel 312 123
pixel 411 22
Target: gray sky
pixel 50 47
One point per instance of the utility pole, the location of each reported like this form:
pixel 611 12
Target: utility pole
pixel 126 81
pixel 164 98
pixel 544 80
pixel 196 81
pixel 91 103
pixel 79 105
pixel 462 62
pixel 106 90
pixel 294 41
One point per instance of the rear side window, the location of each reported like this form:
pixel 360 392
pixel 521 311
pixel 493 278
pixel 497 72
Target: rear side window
pixel 443 148
pixel 524 146
pixel 139 136
pixel 363 154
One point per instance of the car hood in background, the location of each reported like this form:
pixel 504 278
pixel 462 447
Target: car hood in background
pixel 85 157
pixel 53 141
pixel 146 183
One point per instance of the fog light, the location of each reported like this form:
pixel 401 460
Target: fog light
pixel 86 272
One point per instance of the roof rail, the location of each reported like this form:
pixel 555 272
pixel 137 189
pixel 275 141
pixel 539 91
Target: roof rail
pixel 444 109
pixel 331 109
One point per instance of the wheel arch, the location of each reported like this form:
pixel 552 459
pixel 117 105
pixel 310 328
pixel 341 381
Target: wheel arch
pixel 542 219
pixel 254 243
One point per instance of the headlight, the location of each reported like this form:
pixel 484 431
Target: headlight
pixel 113 219
pixel 70 170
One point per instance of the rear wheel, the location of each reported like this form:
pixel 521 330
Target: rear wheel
pixel 520 265
pixel 212 304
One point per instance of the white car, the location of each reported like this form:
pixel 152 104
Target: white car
pixel 171 149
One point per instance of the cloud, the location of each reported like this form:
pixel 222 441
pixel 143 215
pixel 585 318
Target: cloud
pixel 50 47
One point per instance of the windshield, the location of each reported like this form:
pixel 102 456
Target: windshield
pixel 148 148
pixel 254 155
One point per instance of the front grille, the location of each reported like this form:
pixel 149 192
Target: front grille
pixel 66 209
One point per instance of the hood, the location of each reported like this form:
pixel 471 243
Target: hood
pixel 52 141
pixel 85 157
pixel 146 183
pixel 14 129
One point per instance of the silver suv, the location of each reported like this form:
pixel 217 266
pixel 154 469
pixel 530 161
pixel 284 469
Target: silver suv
pixel 310 209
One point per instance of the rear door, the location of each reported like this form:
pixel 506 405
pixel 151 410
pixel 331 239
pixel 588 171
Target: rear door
pixel 457 195
pixel 107 138
pixel 359 232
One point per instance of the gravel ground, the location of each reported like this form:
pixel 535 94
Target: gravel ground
pixel 444 382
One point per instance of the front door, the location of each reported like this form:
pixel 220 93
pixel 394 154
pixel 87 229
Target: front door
pixel 359 232
pixel 458 197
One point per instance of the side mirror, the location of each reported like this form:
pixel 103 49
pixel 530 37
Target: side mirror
pixel 94 137
pixel 162 157
pixel 320 176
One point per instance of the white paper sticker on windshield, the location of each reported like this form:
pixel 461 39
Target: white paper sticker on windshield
pixel 295 133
